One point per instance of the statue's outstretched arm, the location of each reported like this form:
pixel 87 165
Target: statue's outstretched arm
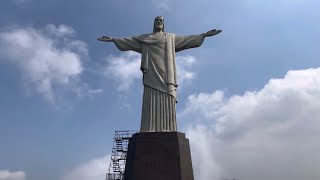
pixel 106 39
pixel 124 44
pixel 192 41
pixel 212 33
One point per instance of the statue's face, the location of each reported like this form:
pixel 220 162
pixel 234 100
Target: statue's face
pixel 159 23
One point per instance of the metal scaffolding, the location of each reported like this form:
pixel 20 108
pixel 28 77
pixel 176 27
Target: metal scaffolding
pixel 119 155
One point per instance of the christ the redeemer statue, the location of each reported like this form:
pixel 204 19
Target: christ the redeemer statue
pixel 158 66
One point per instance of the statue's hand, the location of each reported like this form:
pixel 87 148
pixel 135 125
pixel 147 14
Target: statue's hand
pixel 106 39
pixel 212 32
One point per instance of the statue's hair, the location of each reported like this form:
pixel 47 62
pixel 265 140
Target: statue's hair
pixel 154 24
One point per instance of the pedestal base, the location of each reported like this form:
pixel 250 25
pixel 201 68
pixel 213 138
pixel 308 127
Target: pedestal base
pixel 158 156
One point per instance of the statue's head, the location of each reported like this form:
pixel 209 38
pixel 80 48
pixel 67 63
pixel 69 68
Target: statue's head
pixel 158 24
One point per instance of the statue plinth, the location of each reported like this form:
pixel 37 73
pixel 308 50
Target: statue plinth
pixel 159 156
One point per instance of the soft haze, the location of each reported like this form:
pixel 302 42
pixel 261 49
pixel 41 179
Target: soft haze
pixel 249 98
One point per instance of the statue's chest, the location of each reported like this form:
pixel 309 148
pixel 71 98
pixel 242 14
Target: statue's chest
pixel 159 48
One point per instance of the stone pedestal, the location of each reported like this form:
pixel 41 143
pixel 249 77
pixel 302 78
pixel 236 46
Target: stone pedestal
pixel 158 156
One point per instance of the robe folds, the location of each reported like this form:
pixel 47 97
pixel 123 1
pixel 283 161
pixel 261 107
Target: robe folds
pixel 158 66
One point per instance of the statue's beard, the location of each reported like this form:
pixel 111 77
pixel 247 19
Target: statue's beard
pixel 159 28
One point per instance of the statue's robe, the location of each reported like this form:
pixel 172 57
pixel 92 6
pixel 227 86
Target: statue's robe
pixel 159 75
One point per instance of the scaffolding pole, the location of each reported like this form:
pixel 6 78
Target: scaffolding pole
pixel 119 155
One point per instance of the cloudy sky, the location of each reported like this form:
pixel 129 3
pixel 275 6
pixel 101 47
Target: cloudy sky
pixel 249 98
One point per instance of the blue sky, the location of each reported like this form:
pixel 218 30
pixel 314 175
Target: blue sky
pixel 248 98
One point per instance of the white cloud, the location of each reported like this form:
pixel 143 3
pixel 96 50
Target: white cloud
pixel 204 104
pixel 14 175
pixel 84 90
pixel 61 30
pixel 267 134
pixel 47 58
pixel 76 46
pixel 124 69
pixel 184 73
pixel 95 169
pixel 204 164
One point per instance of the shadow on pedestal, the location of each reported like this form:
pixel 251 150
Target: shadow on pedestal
pixel 158 156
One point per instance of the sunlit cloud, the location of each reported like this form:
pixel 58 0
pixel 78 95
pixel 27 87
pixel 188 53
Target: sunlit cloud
pixel 95 169
pixel 12 175
pixel 124 69
pixel 266 134
pixel 48 58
